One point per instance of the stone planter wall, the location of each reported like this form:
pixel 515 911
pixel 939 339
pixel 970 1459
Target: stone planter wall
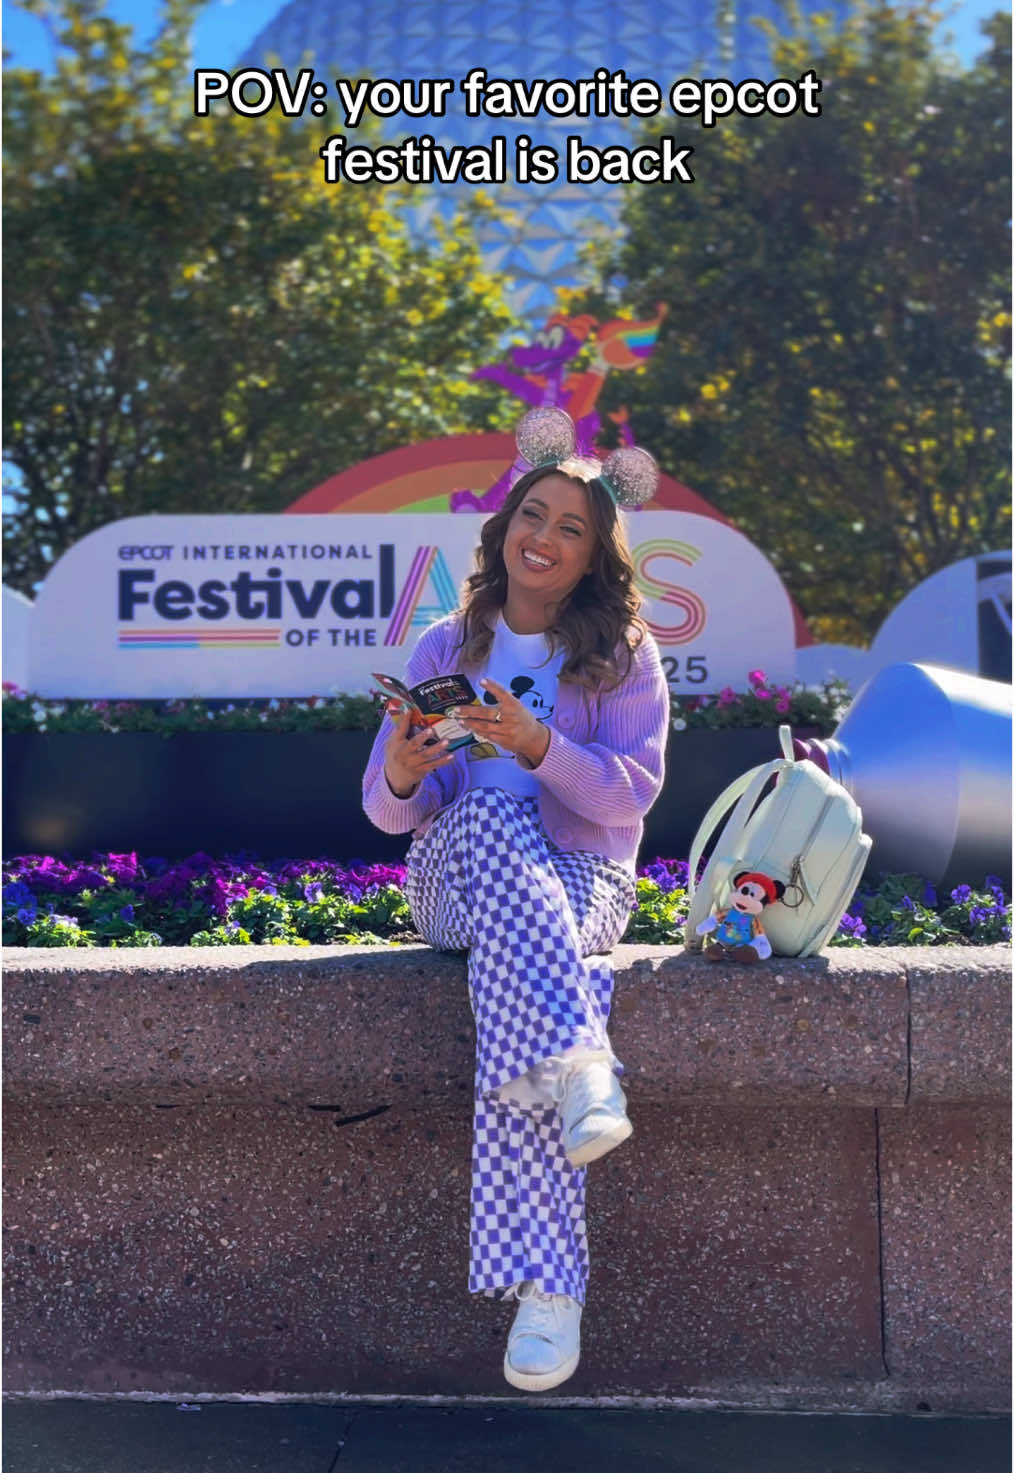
pixel 247 1169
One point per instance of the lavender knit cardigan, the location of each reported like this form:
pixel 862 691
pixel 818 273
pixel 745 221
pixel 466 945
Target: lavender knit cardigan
pixel 601 773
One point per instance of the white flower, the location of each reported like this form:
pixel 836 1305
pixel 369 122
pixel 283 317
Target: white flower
pixel 679 725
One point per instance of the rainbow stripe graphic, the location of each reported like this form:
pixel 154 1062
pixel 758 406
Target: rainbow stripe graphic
pixel 624 344
pixel 641 341
pixel 409 612
pixel 695 615
pixel 200 639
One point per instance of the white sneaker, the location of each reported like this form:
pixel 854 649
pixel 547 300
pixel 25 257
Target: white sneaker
pixel 593 1111
pixel 544 1345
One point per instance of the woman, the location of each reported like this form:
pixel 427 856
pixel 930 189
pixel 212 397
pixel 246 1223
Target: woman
pixel 524 852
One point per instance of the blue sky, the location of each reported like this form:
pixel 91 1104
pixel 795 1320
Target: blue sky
pixel 226 27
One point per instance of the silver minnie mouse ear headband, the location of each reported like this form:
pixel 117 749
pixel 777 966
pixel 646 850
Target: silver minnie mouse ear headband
pixel 547 437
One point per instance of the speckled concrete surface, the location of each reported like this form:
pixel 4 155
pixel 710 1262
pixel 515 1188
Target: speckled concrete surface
pixel 947 1245
pixel 268 1249
pixel 248 1170
pixel 733 1245
pixel 828 1029
pixel 961 1028
pixel 302 1020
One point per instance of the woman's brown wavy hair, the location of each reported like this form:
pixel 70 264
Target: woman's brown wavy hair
pixel 600 617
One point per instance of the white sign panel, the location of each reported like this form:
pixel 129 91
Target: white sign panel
pixel 299 605
pixel 17 614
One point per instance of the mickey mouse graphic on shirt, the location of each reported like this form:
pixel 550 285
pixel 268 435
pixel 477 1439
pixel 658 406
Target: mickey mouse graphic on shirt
pixel 736 934
pixel 523 688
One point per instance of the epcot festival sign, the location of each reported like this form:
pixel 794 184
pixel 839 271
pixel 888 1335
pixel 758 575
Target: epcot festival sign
pixel 299 605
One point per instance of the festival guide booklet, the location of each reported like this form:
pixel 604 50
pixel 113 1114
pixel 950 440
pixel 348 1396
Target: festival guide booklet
pixel 433 703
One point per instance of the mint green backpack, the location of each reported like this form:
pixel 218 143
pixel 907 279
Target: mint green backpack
pixel 807 832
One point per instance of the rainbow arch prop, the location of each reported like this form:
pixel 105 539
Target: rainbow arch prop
pixel 418 479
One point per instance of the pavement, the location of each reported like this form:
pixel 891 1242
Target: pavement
pixel 68 1436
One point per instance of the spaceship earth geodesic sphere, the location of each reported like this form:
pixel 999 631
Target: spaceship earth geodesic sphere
pixel 535 248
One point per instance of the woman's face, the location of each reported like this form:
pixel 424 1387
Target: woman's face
pixel 550 541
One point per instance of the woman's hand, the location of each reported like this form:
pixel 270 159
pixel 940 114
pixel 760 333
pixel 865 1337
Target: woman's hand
pixel 407 758
pixel 509 724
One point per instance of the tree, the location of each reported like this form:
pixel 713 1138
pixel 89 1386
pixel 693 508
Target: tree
pixel 193 320
pixel 834 370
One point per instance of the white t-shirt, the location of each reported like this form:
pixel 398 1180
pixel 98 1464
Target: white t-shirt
pixel 521 664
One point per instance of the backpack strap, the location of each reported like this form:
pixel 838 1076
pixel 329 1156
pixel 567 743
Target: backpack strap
pixel 745 793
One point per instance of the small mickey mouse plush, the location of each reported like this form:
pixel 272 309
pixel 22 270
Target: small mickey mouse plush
pixel 738 933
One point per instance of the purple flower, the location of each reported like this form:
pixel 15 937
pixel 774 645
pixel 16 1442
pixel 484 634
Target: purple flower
pixel 961 893
pixel 122 867
pixel 18 894
pixel 757 677
pixel 907 903
pixel 850 925
pixel 995 887
pixel 85 878
pixel 929 897
pixel 313 893
pixel 127 913
pixel 27 916
pixel 219 895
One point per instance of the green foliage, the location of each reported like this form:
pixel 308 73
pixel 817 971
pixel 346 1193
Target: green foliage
pixel 765 703
pixel 834 369
pixel 905 911
pixel 193 320
pixel 660 917
pixel 223 935
pixel 55 930
pixel 22 711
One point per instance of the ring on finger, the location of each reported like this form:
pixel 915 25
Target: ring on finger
pixel 499 715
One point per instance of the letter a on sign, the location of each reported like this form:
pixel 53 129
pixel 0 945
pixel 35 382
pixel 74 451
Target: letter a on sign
pixel 429 567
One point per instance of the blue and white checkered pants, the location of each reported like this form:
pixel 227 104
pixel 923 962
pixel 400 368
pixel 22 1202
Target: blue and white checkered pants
pixel 486 877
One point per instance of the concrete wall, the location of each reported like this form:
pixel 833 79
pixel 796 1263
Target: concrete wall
pixel 247 1169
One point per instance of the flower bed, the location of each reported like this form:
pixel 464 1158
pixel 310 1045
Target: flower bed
pixel 121 900
pixel 763 703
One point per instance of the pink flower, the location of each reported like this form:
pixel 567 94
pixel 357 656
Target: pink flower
pixel 757 677
pixel 762 695
pixel 726 696
pixel 782 705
